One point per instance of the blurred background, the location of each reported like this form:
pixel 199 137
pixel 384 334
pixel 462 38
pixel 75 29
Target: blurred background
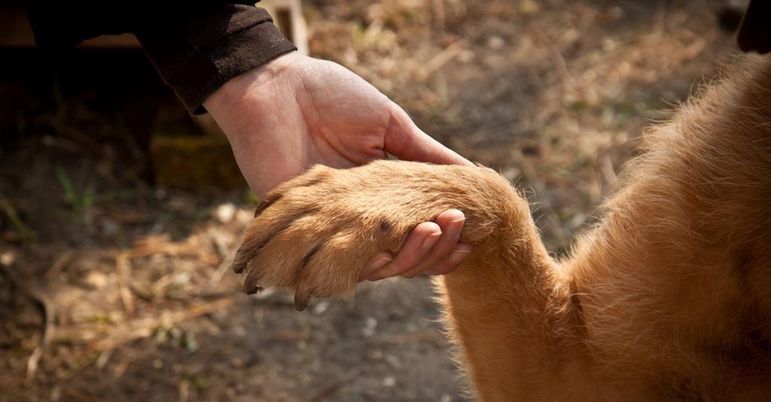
pixel 119 214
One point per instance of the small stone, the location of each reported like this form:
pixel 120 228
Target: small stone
pixel 577 220
pixel 616 12
pixel 181 279
pixel 389 381
pixel 225 212
pixel 369 327
pixel 321 307
pixel 109 227
pixel 466 56
pixel 244 216
pixel 495 42
pixel 95 279
pixel 375 354
pixel 7 258
pixel 512 173
pixel 394 362
pixel 528 7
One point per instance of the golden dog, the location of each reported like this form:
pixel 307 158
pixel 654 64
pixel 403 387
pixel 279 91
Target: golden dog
pixel 667 298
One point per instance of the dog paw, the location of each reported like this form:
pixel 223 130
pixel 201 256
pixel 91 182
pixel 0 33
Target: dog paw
pixel 315 233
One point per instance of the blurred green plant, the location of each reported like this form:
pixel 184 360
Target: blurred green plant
pixel 251 198
pixel 176 336
pixel 79 201
pixel 24 232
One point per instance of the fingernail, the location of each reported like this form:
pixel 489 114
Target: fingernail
pixel 429 241
pixel 462 217
pixel 459 254
pixel 379 262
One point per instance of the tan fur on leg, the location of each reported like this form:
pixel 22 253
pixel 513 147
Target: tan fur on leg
pixel 667 298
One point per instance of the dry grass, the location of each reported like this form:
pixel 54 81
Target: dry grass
pixel 125 293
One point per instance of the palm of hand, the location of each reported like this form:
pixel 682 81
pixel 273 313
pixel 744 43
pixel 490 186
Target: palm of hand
pixel 346 123
pixel 296 112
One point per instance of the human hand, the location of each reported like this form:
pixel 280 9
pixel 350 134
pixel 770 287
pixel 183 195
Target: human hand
pixel 297 111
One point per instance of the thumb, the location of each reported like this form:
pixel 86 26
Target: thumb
pixel 404 140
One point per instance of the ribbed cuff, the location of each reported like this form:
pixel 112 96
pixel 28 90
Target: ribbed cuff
pixel 200 57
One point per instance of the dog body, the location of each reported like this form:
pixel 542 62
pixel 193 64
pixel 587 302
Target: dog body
pixel 667 298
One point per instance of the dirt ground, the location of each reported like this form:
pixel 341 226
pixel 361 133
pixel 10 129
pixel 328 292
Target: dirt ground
pixel 115 290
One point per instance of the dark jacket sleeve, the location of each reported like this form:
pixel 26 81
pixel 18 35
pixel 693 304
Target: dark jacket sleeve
pixel 196 46
pixel 755 31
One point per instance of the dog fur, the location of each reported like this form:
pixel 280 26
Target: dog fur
pixel 667 298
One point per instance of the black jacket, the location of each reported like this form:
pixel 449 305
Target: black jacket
pixel 196 45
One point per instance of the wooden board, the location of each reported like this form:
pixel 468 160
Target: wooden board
pixel 16 32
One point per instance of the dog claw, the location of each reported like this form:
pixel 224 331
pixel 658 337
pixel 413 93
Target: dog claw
pixel 301 300
pixel 264 204
pixel 241 260
pixel 252 282
pixel 255 290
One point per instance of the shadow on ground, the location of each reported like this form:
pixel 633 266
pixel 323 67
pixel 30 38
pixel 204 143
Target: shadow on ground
pixel 113 289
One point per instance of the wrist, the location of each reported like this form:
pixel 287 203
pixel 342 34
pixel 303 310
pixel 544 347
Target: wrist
pixel 226 98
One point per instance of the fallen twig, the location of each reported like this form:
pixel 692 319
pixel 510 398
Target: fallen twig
pixel 43 303
pixel 440 59
pixel 24 232
pixel 608 173
pixel 223 267
pixel 331 388
pixel 144 327
pixel 123 268
pixel 79 395
pixel 429 336
pixel 161 245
